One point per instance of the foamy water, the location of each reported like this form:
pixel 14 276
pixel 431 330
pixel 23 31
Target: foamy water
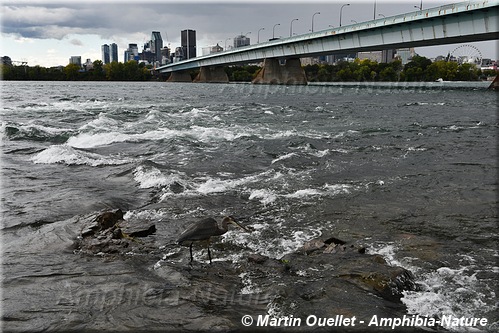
pixel 409 174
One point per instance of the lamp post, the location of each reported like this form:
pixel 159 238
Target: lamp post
pixel 258 39
pixel 341 11
pixel 313 20
pixel 374 17
pixel 353 21
pixel 246 36
pixel 273 30
pixel 383 16
pixel 291 27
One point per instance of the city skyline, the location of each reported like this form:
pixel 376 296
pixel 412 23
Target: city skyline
pixel 49 34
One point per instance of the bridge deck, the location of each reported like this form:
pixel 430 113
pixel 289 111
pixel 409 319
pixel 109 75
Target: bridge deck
pixel 462 22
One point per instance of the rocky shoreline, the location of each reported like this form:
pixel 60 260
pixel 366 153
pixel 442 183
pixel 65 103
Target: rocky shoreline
pixel 326 277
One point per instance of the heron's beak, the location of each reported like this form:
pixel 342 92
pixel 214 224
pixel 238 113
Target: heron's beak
pixel 239 225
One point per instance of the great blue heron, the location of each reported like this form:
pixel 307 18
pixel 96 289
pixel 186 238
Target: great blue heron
pixel 203 230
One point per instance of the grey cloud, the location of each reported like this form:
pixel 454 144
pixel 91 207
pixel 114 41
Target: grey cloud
pixel 76 42
pixel 212 20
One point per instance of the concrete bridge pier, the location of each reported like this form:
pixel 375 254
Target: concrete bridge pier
pixel 179 76
pixel 212 74
pixel 291 73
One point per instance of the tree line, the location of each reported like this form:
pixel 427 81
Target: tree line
pixel 418 69
pixel 114 71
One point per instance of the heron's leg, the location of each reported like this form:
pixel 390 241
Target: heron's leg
pixel 190 249
pixel 209 254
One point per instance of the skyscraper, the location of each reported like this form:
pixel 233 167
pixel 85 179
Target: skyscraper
pixel 105 54
pixel 114 52
pixel 405 54
pixel 188 43
pixel 75 60
pixel 156 45
pixel 132 53
pixel 241 40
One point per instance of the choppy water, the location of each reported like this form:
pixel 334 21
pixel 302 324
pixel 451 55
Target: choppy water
pixel 409 171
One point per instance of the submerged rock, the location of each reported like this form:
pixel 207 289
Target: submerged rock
pixel 326 277
pixel 351 263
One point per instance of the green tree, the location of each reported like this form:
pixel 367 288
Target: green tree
pixel 415 70
pixel 114 71
pixel 444 70
pixel 324 74
pixel 131 71
pixel 242 76
pixel 345 74
pixel 388 74
pixel 98 70
pixel 6 72
pixel 71 71
pixel 468 72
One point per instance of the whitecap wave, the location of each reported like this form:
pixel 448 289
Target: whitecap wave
pixel 266 196
pixel 217 185
pixel 283 157
pixel 446 291
pixel 455 292
pixel 259 241
pixel 64 154
pixel 304 193
pixel 150 177
pixel 89 140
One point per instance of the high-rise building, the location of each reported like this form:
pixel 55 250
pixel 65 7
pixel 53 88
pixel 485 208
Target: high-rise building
pixel 113 52
pixel 405 54
pixel 188 43
pixel 132 53
pixel 212 49
pixel 105 54
pixel 388 55
pixel 156 45
pixel 88 65
pixel 241 41
pixel 75 60
pixel 165 55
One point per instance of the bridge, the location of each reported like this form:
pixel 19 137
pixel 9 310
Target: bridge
pixel 464 22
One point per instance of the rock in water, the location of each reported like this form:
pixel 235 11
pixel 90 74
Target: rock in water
pixel 352 264
pixel 140 231
pixel 109 219
pixel 110 233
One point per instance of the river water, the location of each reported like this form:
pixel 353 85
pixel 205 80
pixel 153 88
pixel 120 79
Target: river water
pixel 410 171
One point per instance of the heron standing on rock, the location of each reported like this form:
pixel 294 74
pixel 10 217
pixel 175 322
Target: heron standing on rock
pixel 203 230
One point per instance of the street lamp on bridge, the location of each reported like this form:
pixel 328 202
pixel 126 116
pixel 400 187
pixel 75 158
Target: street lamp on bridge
pixel 341 11
pixel 313 20
pixel 273 30
pixel 258 39
pixel 291 27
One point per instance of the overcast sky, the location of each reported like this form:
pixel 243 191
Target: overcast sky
pixel 48 33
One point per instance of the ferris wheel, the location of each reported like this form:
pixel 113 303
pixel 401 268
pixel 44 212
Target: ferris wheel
pixel 467 54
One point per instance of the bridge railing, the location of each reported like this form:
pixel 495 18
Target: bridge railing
pixel 377 23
